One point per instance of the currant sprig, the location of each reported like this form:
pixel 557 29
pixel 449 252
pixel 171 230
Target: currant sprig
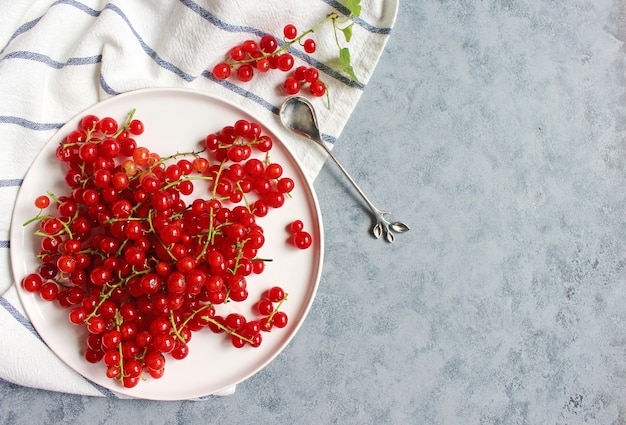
pixel 267 53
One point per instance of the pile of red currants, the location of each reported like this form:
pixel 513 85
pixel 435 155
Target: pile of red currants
pixel 140 260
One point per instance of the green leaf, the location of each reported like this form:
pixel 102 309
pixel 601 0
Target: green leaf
pixel 355 7
pixel 346 66
pixel 347 32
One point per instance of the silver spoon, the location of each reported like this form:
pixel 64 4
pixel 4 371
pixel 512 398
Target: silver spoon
pixel 298 115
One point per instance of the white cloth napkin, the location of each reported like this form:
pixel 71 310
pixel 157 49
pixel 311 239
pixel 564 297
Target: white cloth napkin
pixel 58 58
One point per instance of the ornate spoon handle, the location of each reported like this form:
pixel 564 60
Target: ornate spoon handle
pixel 382 226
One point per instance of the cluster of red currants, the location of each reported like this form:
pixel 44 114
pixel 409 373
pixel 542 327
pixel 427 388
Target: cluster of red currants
pixel 266 54
pixel 299 237
pixel 141 263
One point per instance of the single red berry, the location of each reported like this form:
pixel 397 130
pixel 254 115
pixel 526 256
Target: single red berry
pixel 245 73
pixel 237 341
pixel 280 319
pixel 290 31
pixel 276 294
pixel 77 315
pixel 265 306
pixel 317 88
pixel 237 53
pixel 273 171
pixel 107 125
pixel 285 185
pixel 291 85
pixel 76 136
pixel 96 325
pixel 221 71
pixel 268 44
pixel 250 46
pixel 42 202
pixel 285 62
pixel 302 240
pixel 32 282
pixel 311 75
pixel 88 122
pixel 263 65
pixel 136 127
pixel 309 45
pixel 296 226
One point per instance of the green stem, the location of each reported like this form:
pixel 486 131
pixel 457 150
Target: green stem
pixel 126 124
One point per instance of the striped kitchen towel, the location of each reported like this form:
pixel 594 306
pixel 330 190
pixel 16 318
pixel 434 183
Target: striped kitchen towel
pixel 57 58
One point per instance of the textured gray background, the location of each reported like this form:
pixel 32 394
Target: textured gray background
pixel 495 129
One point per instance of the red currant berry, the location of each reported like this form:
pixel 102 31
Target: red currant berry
pixel 273 171
pixel 235 321
pixel 249 46
pixel 180 352
pixel 317 88
pixel 237 341
pixel 280 319
pixel 291 85
pixel 263 65
pixel 296 226
pixel 268 44
pixel 311 75
pixel 88 122
pixel 302 240
pixel 275 294
pixel 154 360
pixel 96 325
pixel 66 263
pixel 107 125
pixel 285 62
pixel 265 306
pixel 93 356
pixel 290 31
pixel 42 202
pixel 237 53
pixel 32 282
pixel 221 71
pixel 136 127
pixel 309 45
pixel 285 185
pixel 245 73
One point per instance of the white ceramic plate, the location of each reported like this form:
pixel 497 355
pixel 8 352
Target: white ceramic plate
pixel 176 120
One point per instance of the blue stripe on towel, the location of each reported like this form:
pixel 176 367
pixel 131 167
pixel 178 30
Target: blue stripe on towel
pixel 208 16
pixel 5 244
pixel 149 51
pixel 21 319
pixel 10 182
pixel 88 10
pixel 4 119
pixel 31 24
pixel 105 86
pixel 38 57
